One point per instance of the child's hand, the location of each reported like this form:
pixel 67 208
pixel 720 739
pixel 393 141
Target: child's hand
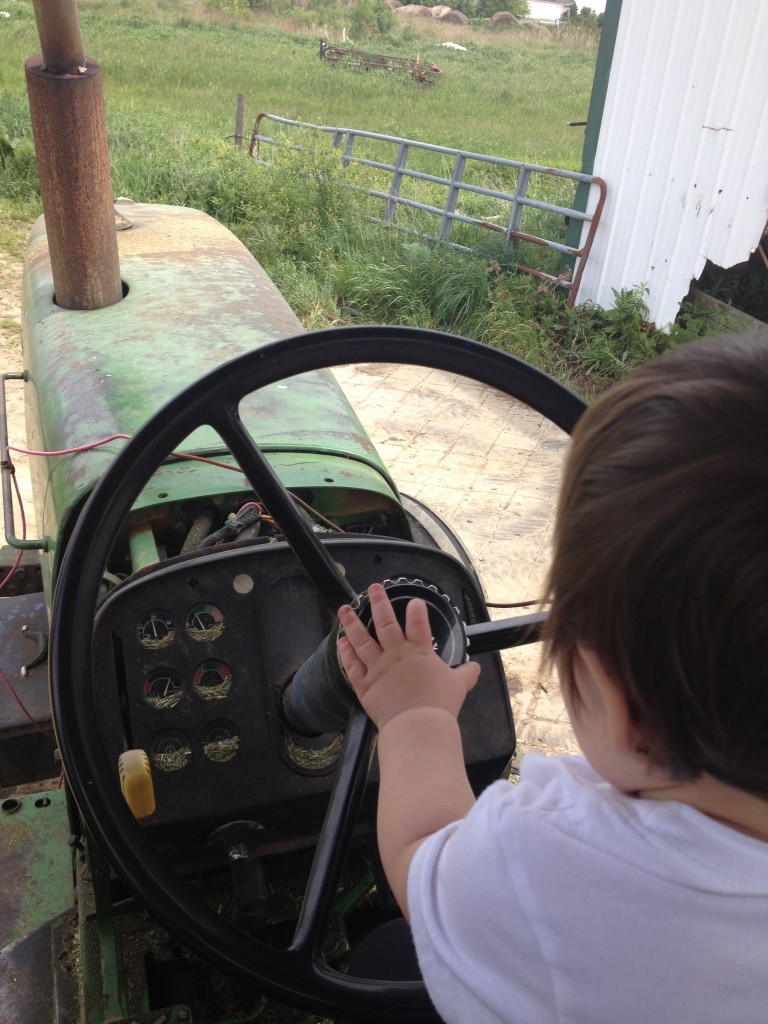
pixel 400 671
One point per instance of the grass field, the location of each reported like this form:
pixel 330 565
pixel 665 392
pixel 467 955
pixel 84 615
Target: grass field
pixel 174 63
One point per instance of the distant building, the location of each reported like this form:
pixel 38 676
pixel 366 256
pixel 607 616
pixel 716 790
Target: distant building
pixel 550 11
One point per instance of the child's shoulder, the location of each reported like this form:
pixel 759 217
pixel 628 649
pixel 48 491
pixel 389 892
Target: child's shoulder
pixel 562 809
pixel 562 795
pixel 565 795
pixel 561 780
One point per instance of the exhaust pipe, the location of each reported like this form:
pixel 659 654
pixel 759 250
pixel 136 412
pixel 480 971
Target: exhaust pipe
pixel 66 102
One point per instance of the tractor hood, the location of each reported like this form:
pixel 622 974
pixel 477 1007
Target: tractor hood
pixel 194 298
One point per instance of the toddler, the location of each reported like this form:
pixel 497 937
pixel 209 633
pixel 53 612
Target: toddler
pixel 630 885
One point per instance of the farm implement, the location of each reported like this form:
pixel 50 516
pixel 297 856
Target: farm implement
pixel 423 73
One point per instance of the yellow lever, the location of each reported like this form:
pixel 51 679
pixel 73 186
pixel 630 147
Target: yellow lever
pixel 136 782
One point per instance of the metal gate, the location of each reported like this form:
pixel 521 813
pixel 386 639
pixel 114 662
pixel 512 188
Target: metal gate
pixel 515 202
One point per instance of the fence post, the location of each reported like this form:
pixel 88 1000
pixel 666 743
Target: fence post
pixel 239 120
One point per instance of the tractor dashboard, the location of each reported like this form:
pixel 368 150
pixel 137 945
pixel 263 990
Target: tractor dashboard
pixel 191 659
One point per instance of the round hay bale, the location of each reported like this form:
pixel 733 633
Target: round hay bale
pixel 454 18
pixel 504 18
pixel 414 11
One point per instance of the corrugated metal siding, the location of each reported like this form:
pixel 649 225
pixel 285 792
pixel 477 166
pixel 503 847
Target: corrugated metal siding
pixel 683 148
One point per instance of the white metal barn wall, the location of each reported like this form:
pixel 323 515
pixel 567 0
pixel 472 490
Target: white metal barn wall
pixel 683 148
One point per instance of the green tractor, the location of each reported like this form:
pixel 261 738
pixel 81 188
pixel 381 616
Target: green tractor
pixel 199 842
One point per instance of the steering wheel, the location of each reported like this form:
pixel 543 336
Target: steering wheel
pixel 297 975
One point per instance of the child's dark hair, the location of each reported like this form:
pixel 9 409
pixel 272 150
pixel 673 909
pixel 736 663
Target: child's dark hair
pixel 661 555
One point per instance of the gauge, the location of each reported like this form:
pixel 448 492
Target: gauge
pixel 156 629
pixel 170 750
pixel 205 622
pixel 212 680
pixel 163 688
pixel 313 754
pixel 220 741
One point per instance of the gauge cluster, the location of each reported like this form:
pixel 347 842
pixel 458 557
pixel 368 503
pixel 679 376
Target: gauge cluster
pixel 191 658
pixel 164 688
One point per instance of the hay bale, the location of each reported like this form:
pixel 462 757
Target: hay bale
pixel 454 18
pixel 504 18
pixel 414 11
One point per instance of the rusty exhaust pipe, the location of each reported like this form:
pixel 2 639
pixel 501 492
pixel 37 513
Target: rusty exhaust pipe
pixel 66 102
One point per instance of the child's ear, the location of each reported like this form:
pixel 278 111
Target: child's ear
pixel 608 704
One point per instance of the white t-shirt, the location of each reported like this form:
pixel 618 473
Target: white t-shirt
pixel 563 901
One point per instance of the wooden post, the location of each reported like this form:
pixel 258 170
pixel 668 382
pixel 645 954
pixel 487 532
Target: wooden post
pixel 239 120
pixel 69 126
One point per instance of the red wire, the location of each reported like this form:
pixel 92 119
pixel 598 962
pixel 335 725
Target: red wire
pixel 117 437
pixel 107 440
pixel 70 451
pixel 12 570
pixel 74 451
pixel 17 560
pixel 175 455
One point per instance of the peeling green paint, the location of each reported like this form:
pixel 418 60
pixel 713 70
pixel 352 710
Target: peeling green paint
pixel 195 298
pixel 35 862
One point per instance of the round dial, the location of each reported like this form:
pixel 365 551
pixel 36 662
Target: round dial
pixel 220 741
pixel 170 750
pixel 212 680
pixel 163 688
pixel 205 622
pixel 155 629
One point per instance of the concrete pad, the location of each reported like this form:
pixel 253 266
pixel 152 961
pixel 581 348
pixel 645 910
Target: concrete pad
pixel 490 467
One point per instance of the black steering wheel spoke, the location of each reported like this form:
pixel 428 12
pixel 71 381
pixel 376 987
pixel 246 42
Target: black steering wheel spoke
pixel 501 634
pixel 336 838
pixel 333 587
